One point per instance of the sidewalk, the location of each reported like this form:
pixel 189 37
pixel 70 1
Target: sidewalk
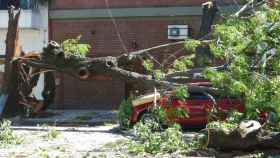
pixel 70 118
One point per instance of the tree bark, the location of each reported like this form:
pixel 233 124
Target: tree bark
pixel 203 54
pixel 256 139
pixel 12 46
pixel 11 94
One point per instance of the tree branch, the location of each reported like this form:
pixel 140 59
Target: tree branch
pixel 249 6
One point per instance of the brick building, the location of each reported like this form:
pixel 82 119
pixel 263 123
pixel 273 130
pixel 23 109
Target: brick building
pixel 113 27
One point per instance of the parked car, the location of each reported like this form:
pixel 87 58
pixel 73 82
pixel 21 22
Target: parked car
pixel 197 106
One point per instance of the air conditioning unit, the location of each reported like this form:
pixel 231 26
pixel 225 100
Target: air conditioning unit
pixel 178 32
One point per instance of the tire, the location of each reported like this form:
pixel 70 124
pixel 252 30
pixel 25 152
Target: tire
pixel 147 118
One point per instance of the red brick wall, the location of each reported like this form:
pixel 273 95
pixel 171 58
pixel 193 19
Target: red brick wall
pixel 102 35
pixel 74 4
pixel 92 94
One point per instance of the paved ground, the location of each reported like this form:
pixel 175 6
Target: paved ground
pixel 88 142
pixel 70 118
pixel 78 134
pixel 67 142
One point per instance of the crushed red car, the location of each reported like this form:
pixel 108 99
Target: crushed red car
pixel 197 106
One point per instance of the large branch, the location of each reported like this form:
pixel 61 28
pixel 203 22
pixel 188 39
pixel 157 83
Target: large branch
pixel 109 66
pixel 248 7
pixel 193 73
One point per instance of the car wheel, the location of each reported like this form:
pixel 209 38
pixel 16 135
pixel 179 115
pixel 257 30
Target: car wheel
pixel 151 121
pixel 148 118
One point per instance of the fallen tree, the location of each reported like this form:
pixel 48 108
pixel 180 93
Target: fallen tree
pixel 23 69
pixel 247 44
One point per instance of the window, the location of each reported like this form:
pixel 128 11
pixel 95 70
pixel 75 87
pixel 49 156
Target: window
pixel 24 4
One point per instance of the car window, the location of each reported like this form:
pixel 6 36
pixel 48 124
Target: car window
pixel 198 96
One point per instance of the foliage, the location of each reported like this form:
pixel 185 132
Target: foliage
pixel 7 135
pixel 250 48
pixel 235 117
pixel 73 47
pixel 182 92
pixel 222 125
pixel 148 65
pixel 192 44
pixel 158 74
pixel 177 112
pixel 148 141
pixel 164 117
pixel 125 112
pixel 232 121
pixel 183 63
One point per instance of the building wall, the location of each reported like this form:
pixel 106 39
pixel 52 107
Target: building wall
pixel 105 93
pixel 135 33
pixel 86 4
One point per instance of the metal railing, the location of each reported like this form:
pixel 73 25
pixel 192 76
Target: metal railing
pixel 23 4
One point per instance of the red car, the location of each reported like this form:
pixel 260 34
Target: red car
pixel 197 106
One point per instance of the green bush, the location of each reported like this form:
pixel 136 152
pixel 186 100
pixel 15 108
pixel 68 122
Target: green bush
pixel 125 112
pixel 7 135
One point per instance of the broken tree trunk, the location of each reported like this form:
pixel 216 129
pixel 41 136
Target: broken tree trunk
pixel 12 45
pixel 19 79
pixel 203 55
pixel 248 136
pixel 10 94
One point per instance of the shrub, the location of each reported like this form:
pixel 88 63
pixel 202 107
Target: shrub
pixel 125 112
pixel 7 135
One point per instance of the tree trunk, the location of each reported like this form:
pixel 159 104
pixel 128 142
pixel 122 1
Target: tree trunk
pixel 254 138
pixel 203 54
pixel 10 96
pixel 12 46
